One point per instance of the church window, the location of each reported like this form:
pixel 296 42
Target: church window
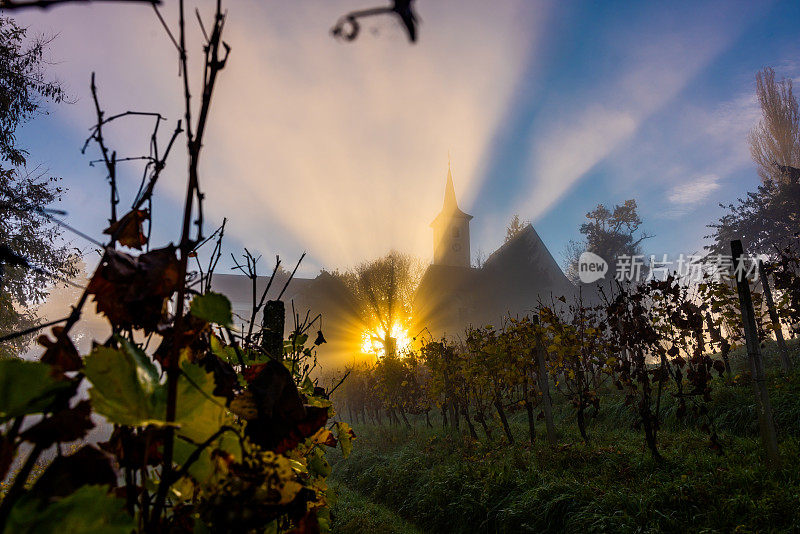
pixel 456 232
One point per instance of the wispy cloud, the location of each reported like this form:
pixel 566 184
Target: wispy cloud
pixel 648 77
pixel 692 193
pixel 571 150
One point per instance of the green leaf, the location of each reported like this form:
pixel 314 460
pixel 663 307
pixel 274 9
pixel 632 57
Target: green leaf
pixel 213 307
pixel 307 387
pixel 345 435
pixel 290 345
pixel 26 387
pixel 318 464
pixel 90 510
pixel 202 470
pixel 199 414
pixel 224 352
pixel 319 402
pixel 125 385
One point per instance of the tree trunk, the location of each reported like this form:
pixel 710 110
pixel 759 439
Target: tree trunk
pixel 786 362
pixel 582 423
pixel 650 438
pixel 544 387
pixel 529 409
pixel 502 413
pixel 724 346
pixel 444 415
pixel 465 413
pixel 480 416
pixel 403 415
pixel 766 422
pixel 428 419
pixel 454 417
pixel 725 350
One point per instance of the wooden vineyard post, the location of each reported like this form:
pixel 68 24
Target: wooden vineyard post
pixel 544 387
pixel 766 424
pixel 786 362
pixel 272 329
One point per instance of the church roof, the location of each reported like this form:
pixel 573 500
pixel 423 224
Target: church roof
pixel 511 281
pixel 524 261
pixel 450 207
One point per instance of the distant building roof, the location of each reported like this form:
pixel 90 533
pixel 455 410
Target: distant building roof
pixel 239 289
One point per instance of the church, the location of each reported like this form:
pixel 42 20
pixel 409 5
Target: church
pixel 451 295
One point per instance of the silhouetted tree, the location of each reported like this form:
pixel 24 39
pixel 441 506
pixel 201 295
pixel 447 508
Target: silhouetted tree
pixel 770 216
pixel 32 258
pixel 763 220
pixel 515 227
pixel 610 235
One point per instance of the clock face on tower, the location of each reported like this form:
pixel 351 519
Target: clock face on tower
pixel 456 247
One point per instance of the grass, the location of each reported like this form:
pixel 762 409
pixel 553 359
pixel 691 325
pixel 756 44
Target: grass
pixel 355 514
pixel 441 481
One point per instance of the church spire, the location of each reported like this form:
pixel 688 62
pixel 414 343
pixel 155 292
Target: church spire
pixel 450 202
pixel 451 229
pixel 450 206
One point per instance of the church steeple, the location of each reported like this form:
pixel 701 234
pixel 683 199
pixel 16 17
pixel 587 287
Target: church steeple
pixel 451 230
pixel 450 202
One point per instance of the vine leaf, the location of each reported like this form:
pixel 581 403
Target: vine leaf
pixel 283 420
pixel 132 291
pixel 213 307
pixel 65 425
pixel 27 387
pixel 60 352
pixel 199 413
pixel 66 474
pixel 89 509
pixel 345 435
pixel 128 230
pixel 143 446
pixel 125 385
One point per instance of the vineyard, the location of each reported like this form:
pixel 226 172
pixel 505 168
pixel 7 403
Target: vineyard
pixel 652 342
pixel 666 404
pixel 639 413
pixel 432 479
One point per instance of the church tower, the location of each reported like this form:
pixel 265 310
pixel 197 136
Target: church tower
pixel 451 230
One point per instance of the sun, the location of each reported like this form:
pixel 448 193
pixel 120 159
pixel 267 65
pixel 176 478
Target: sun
pixel 372 340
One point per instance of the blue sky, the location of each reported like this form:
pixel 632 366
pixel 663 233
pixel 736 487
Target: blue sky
pixel 547 109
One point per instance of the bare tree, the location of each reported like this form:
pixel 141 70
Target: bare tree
pixel 775 142
pixel 383 290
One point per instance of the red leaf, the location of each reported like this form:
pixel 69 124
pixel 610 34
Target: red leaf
pixel 65 425
pixel 131 291
pixel 87 466
pixel 128 230
pixel 60 353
